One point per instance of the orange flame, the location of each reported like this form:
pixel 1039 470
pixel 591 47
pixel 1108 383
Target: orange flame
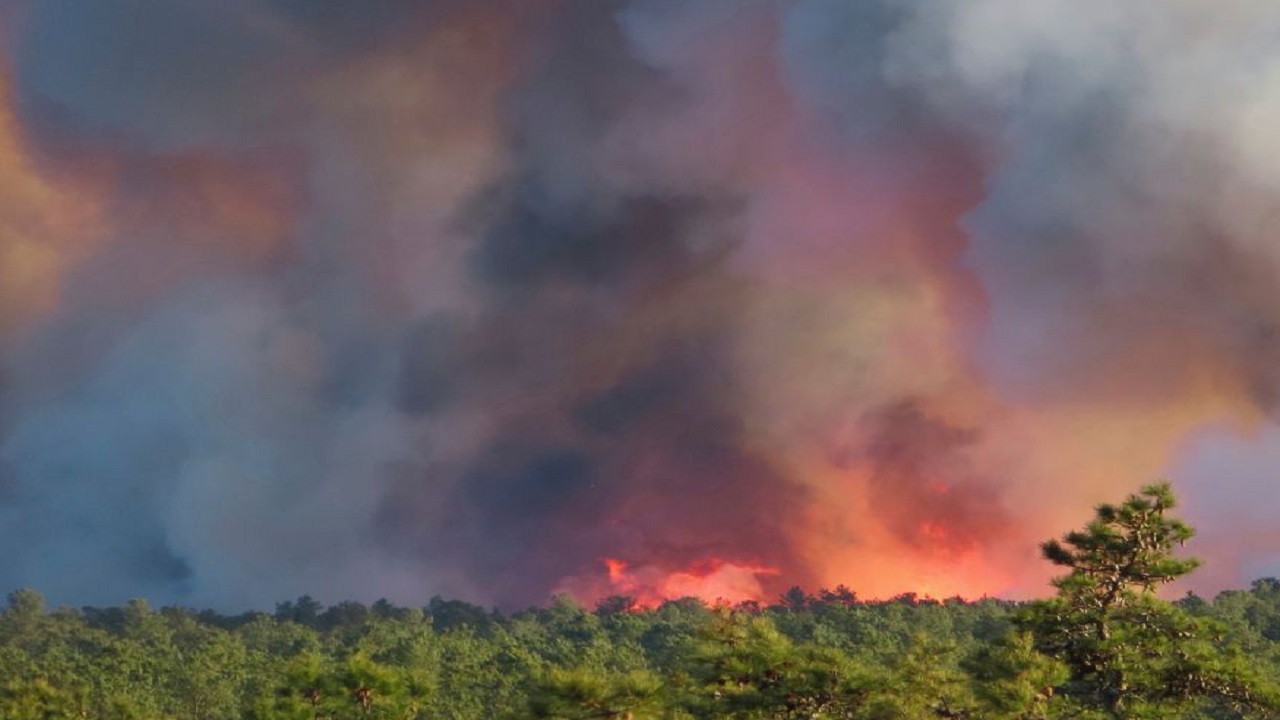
pixel 711 580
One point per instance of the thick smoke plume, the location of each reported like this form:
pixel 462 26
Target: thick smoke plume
pixel 497 298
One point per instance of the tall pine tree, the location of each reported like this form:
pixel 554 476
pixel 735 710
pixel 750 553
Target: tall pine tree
pixel 1131 654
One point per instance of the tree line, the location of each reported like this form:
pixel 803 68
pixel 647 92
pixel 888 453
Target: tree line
pixel 1105 646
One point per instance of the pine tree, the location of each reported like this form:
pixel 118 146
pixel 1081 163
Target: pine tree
pixel 1129 653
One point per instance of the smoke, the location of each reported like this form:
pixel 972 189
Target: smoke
pixel 491 299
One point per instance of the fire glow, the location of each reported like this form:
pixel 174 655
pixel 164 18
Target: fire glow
pixel 712 580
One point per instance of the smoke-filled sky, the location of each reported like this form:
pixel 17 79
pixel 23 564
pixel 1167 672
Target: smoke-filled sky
pixel 500 298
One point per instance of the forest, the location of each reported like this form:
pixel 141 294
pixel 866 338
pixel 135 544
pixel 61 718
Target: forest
pixel 1104 646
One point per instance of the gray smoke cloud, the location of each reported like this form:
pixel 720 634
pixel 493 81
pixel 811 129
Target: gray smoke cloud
pixel 403 298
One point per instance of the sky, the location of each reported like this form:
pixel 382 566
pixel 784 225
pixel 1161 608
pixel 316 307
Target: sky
pixel 497 299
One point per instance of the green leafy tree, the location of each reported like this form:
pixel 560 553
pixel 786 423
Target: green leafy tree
pixel 1012 680
pixel 207 673
pixel 470 682
pixel 743 667
pixel 923 681
pixel 1129 653
pixel 23 622
pixel 581 694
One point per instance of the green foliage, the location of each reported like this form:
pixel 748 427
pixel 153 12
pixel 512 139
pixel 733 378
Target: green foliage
pixel 581 694
pixel 1105 647
pixel 1125 550
pixel 1012 679
pixel 1129 653
pixel 743 667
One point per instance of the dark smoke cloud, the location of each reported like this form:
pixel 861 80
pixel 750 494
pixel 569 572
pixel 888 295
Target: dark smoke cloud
pixel 922 483
pixel 401 298
pixel 172 75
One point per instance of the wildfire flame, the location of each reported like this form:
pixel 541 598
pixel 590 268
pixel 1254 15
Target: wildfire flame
pixel 712 580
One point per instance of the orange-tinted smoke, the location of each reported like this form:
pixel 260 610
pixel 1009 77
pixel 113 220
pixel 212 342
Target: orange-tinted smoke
pixel 47 221
pixel 785 385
